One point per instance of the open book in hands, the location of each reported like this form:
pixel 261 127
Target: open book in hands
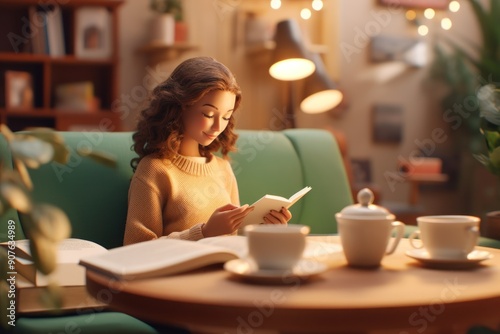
pixel 271 202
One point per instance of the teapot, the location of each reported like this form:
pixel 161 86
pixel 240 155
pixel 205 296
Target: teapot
pixel 365 230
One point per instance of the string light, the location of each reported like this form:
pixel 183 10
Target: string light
pixel 429 13
pixel 411 15
pixel 414 16
pixel 446 23
pixel 423 30
pixel 317 5
pixel 454 6
pixel 275 4
pixel 305 13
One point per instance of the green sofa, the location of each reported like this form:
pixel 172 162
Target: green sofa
pixel 95 198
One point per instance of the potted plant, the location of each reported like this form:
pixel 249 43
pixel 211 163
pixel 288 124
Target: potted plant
pixel 168 26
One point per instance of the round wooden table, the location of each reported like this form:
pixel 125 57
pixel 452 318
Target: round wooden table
pixel 401 296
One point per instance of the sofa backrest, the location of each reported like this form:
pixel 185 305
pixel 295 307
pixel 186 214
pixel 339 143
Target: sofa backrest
pixel 94 196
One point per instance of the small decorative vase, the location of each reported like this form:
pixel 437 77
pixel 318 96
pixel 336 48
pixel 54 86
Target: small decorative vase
pixel 181 32
pixel 163 29
pixel 491 226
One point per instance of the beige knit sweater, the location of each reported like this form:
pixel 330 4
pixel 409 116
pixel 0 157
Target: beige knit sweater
pixel 174 198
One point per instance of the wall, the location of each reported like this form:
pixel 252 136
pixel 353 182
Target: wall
pixel 421 113
pixel 214 26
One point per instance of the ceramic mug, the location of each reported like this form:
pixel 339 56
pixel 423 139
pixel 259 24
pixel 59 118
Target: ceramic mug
pixel 446 236
pixel 366 241
pixel 276 247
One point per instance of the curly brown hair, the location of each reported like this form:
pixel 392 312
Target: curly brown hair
pixel 160 128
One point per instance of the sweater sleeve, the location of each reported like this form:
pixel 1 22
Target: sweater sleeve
pixel 144 216
pixel 233 186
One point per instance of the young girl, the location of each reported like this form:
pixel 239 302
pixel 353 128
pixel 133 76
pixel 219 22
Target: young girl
pixel 179 188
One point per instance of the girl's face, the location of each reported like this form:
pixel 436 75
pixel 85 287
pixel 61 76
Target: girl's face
pixel 205 120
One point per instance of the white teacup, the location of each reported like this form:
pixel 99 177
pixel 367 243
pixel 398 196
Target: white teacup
pixel 276 247
pixel 446 236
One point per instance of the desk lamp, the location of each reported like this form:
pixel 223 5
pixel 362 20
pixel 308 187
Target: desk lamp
pixel 320 91
pixel 290 60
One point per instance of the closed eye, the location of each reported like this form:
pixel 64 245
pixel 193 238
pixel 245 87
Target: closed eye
pixel 208 116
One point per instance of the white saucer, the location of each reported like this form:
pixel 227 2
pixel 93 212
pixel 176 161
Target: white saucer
pixel 247 270
pixel 472 260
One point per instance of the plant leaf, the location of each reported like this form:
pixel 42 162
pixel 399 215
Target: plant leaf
pixel 50 222
pixel 52 296
pixel 61 151
pixel 32 151
pixel 23 174
pixel 15 196
pixel 44 252
pixel 99 156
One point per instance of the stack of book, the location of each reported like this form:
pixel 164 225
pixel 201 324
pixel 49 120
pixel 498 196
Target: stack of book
pixel 69 275
pixel 76 96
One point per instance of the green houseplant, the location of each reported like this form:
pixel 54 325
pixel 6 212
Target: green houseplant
pixel 489 104
pixel 463 72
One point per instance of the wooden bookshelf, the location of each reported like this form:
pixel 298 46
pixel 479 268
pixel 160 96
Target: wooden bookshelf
pixel 48 71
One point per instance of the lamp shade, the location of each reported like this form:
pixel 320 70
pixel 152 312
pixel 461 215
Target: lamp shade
pixel 321 93
pixel 290 58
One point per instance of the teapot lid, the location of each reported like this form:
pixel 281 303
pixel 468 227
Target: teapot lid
pixel 365 208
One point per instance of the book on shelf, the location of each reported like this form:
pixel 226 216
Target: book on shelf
pixel 29 299
pixel 271 202
pixel 76 96
pixel 55 31
pixel 37 33
pixel 67 273
pixel 163 257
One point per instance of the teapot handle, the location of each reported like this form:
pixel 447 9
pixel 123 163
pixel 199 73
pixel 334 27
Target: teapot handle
pixel 400 231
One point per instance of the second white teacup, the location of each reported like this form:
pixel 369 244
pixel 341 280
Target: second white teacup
pixel 276 247
pixel 446 236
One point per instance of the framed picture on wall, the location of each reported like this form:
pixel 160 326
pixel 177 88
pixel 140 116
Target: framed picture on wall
pixel 387 123
pixel 361 170
pixel 18 90
pixel 422 4
pixel 93 33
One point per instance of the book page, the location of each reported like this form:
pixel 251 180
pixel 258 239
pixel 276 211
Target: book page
pixel 298 195
pixel 235 243
pixel 159 257
pixel 268 203
pixel 72 250
pixel 68 250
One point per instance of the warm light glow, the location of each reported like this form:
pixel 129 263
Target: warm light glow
pixel 429 13
pixel 446 23
pixel 305 13
pixel 321 101
pixel 275 4
pixel 454 6
pixel 317 5
pixel 423 30
pixel 411 15
pixel 292 69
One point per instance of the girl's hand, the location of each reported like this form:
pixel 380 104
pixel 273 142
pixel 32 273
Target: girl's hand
pixel 278 217
pixel 225 220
